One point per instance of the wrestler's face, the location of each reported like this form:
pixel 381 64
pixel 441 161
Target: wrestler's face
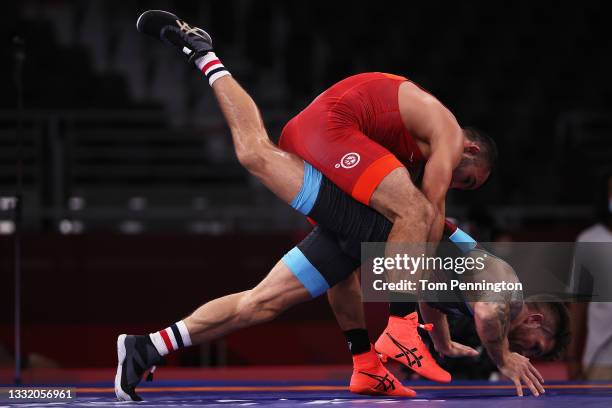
pixel 468 175
pixel 531 340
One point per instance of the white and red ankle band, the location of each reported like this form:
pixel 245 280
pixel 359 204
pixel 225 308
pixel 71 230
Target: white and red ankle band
pixel 171 338
pixel 211 66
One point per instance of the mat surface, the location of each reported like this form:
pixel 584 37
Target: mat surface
pixel 460 394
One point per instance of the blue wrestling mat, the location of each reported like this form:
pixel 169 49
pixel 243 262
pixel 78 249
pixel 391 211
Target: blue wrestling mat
pixel 282 394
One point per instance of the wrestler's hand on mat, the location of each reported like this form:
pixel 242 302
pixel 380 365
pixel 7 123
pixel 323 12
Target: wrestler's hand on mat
pixel 520 371
pixel 454 349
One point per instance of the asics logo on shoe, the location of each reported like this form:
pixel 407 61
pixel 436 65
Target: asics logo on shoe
pixel 187 29
pixel 385 382
pixel 409 354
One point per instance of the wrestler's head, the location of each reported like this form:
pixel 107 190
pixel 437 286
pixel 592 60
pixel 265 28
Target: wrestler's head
pixel 477 162
pixel 542 332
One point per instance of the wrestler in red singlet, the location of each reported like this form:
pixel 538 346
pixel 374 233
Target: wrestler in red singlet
pixel 354 134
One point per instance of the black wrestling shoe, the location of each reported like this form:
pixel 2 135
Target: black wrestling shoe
pixel 135 355
pixel 192 41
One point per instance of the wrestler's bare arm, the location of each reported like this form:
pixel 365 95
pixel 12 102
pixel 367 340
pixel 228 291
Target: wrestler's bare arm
pixel 493 313
pixel 492 324
pixel 438 130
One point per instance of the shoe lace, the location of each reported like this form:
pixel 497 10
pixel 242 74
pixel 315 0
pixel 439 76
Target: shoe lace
pixel 426 326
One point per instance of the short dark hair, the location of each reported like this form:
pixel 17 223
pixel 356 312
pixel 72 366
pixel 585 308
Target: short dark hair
pixel 557 316
pixel 488 147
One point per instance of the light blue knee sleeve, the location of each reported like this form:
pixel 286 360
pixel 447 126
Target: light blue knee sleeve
pixel 305 272
pixel 305 199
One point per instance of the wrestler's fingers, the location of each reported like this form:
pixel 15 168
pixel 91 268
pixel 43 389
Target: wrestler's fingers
pixel 519 387
pixel 536 382
pixel 536 373
pixel 527 381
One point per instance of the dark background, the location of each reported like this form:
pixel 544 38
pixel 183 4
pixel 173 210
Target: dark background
pixel 136 210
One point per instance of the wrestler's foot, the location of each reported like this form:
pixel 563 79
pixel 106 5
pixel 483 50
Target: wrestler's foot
pixel 135 355
pixel 400 341
pixel 192 41
pixel 370 377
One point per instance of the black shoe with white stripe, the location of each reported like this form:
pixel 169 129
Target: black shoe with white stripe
pixel 135 355
pixel 192 41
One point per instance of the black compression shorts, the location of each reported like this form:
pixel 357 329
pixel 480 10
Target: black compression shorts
pixel 331 252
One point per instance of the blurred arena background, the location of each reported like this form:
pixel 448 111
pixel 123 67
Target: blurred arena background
pixel 129 171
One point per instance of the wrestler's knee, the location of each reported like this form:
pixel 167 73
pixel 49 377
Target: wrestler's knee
pixel 420 212
pixel 401 202
pixel 416 217
pixel 397 198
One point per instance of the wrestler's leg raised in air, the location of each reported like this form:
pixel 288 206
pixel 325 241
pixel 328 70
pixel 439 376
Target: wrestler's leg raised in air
pixel 253 147
pixel 279 171
pixel 395 197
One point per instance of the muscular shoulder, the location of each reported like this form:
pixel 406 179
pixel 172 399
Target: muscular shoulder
pixel 410 91
pixel 415 100
pixel 490 310
pixel 502 310
pixel 426 117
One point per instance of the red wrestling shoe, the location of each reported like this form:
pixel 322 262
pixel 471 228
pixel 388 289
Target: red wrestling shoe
pixel 401 342
pixel 370 377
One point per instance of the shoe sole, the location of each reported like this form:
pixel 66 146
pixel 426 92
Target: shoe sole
pixel 376 393
pixel 170 15
pixel 173 17
pixel 121 395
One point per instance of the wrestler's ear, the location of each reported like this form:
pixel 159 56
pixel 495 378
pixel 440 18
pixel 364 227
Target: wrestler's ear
pixel 534 320
pixel 470 147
